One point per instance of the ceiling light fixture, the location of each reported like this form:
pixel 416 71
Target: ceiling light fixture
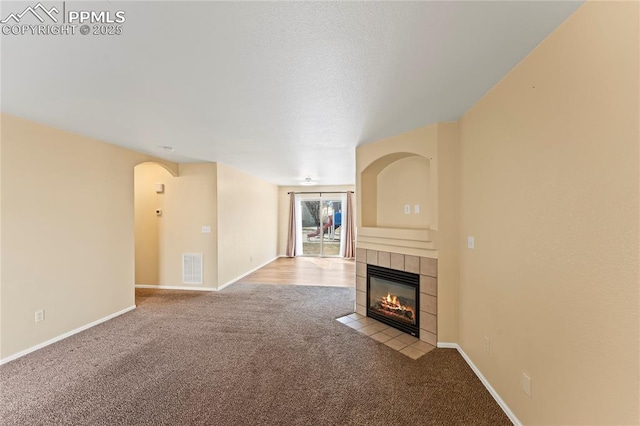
pixel 308 182
pixel 167 148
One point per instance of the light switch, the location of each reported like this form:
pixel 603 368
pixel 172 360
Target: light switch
pixel 416 208
pixel 206 229
pixel 471 242
pixel 407 209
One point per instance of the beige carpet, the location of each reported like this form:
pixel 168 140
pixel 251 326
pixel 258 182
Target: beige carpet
pixel 251 354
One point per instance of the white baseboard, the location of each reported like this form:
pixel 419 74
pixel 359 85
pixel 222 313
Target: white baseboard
pixel 228 283
pixel 484 381
pixel 448 345
pixel 174 287
pixel 65 335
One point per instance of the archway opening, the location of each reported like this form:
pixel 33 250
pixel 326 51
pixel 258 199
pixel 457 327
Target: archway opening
pixel 150 181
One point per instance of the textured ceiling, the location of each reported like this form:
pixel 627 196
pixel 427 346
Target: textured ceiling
pixel 280 90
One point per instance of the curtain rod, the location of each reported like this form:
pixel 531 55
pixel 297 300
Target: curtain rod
pixel 320 192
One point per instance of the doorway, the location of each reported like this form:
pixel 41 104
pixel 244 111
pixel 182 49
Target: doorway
pixel 149 205
pixel 319 224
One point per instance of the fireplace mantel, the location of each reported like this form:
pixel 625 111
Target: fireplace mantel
pixel 414 242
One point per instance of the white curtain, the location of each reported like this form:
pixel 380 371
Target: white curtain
pixel 348 235
pixel 291 237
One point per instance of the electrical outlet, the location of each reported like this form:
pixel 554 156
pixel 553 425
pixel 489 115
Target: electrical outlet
pixel 39 315
pixel 526 384
pixel 407 209
pixel 487 344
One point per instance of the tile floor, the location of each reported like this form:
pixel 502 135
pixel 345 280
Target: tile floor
pixel 394 338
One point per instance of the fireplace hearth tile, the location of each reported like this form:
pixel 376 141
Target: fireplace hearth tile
pixel 356 325
pixel 345 320
pixel 361 310
pixel 396 344
pixel 361 255
pixel 379 326
pixel 363 322
pixel 381 337
pixel 369 330
pixel 407 338
pixel 412 352
pixel 392 332
pixel 391 337
pixel 361 284
pixel 422 346
pixel 361 270
pixel 367 321
pixel 361 297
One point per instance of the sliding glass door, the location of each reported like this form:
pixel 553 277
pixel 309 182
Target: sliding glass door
pixel 319 224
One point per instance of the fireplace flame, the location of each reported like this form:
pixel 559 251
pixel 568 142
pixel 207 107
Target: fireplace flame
pixel 392 304
pixel 391 300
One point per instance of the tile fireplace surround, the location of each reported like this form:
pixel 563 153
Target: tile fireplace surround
pixel 426 267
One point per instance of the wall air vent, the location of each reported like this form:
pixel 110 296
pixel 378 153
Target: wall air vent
pixel 192 268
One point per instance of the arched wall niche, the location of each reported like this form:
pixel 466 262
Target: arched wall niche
pixel 172 168
pixel 391 183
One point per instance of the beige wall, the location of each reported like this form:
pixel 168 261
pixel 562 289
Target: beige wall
pixel 448 240
pixel 549 189
pixel 247 223
pixel 188 203
pixel 283 208
pixel 67 231
pixel 405 181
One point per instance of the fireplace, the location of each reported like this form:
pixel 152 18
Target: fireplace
pixel 393 298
